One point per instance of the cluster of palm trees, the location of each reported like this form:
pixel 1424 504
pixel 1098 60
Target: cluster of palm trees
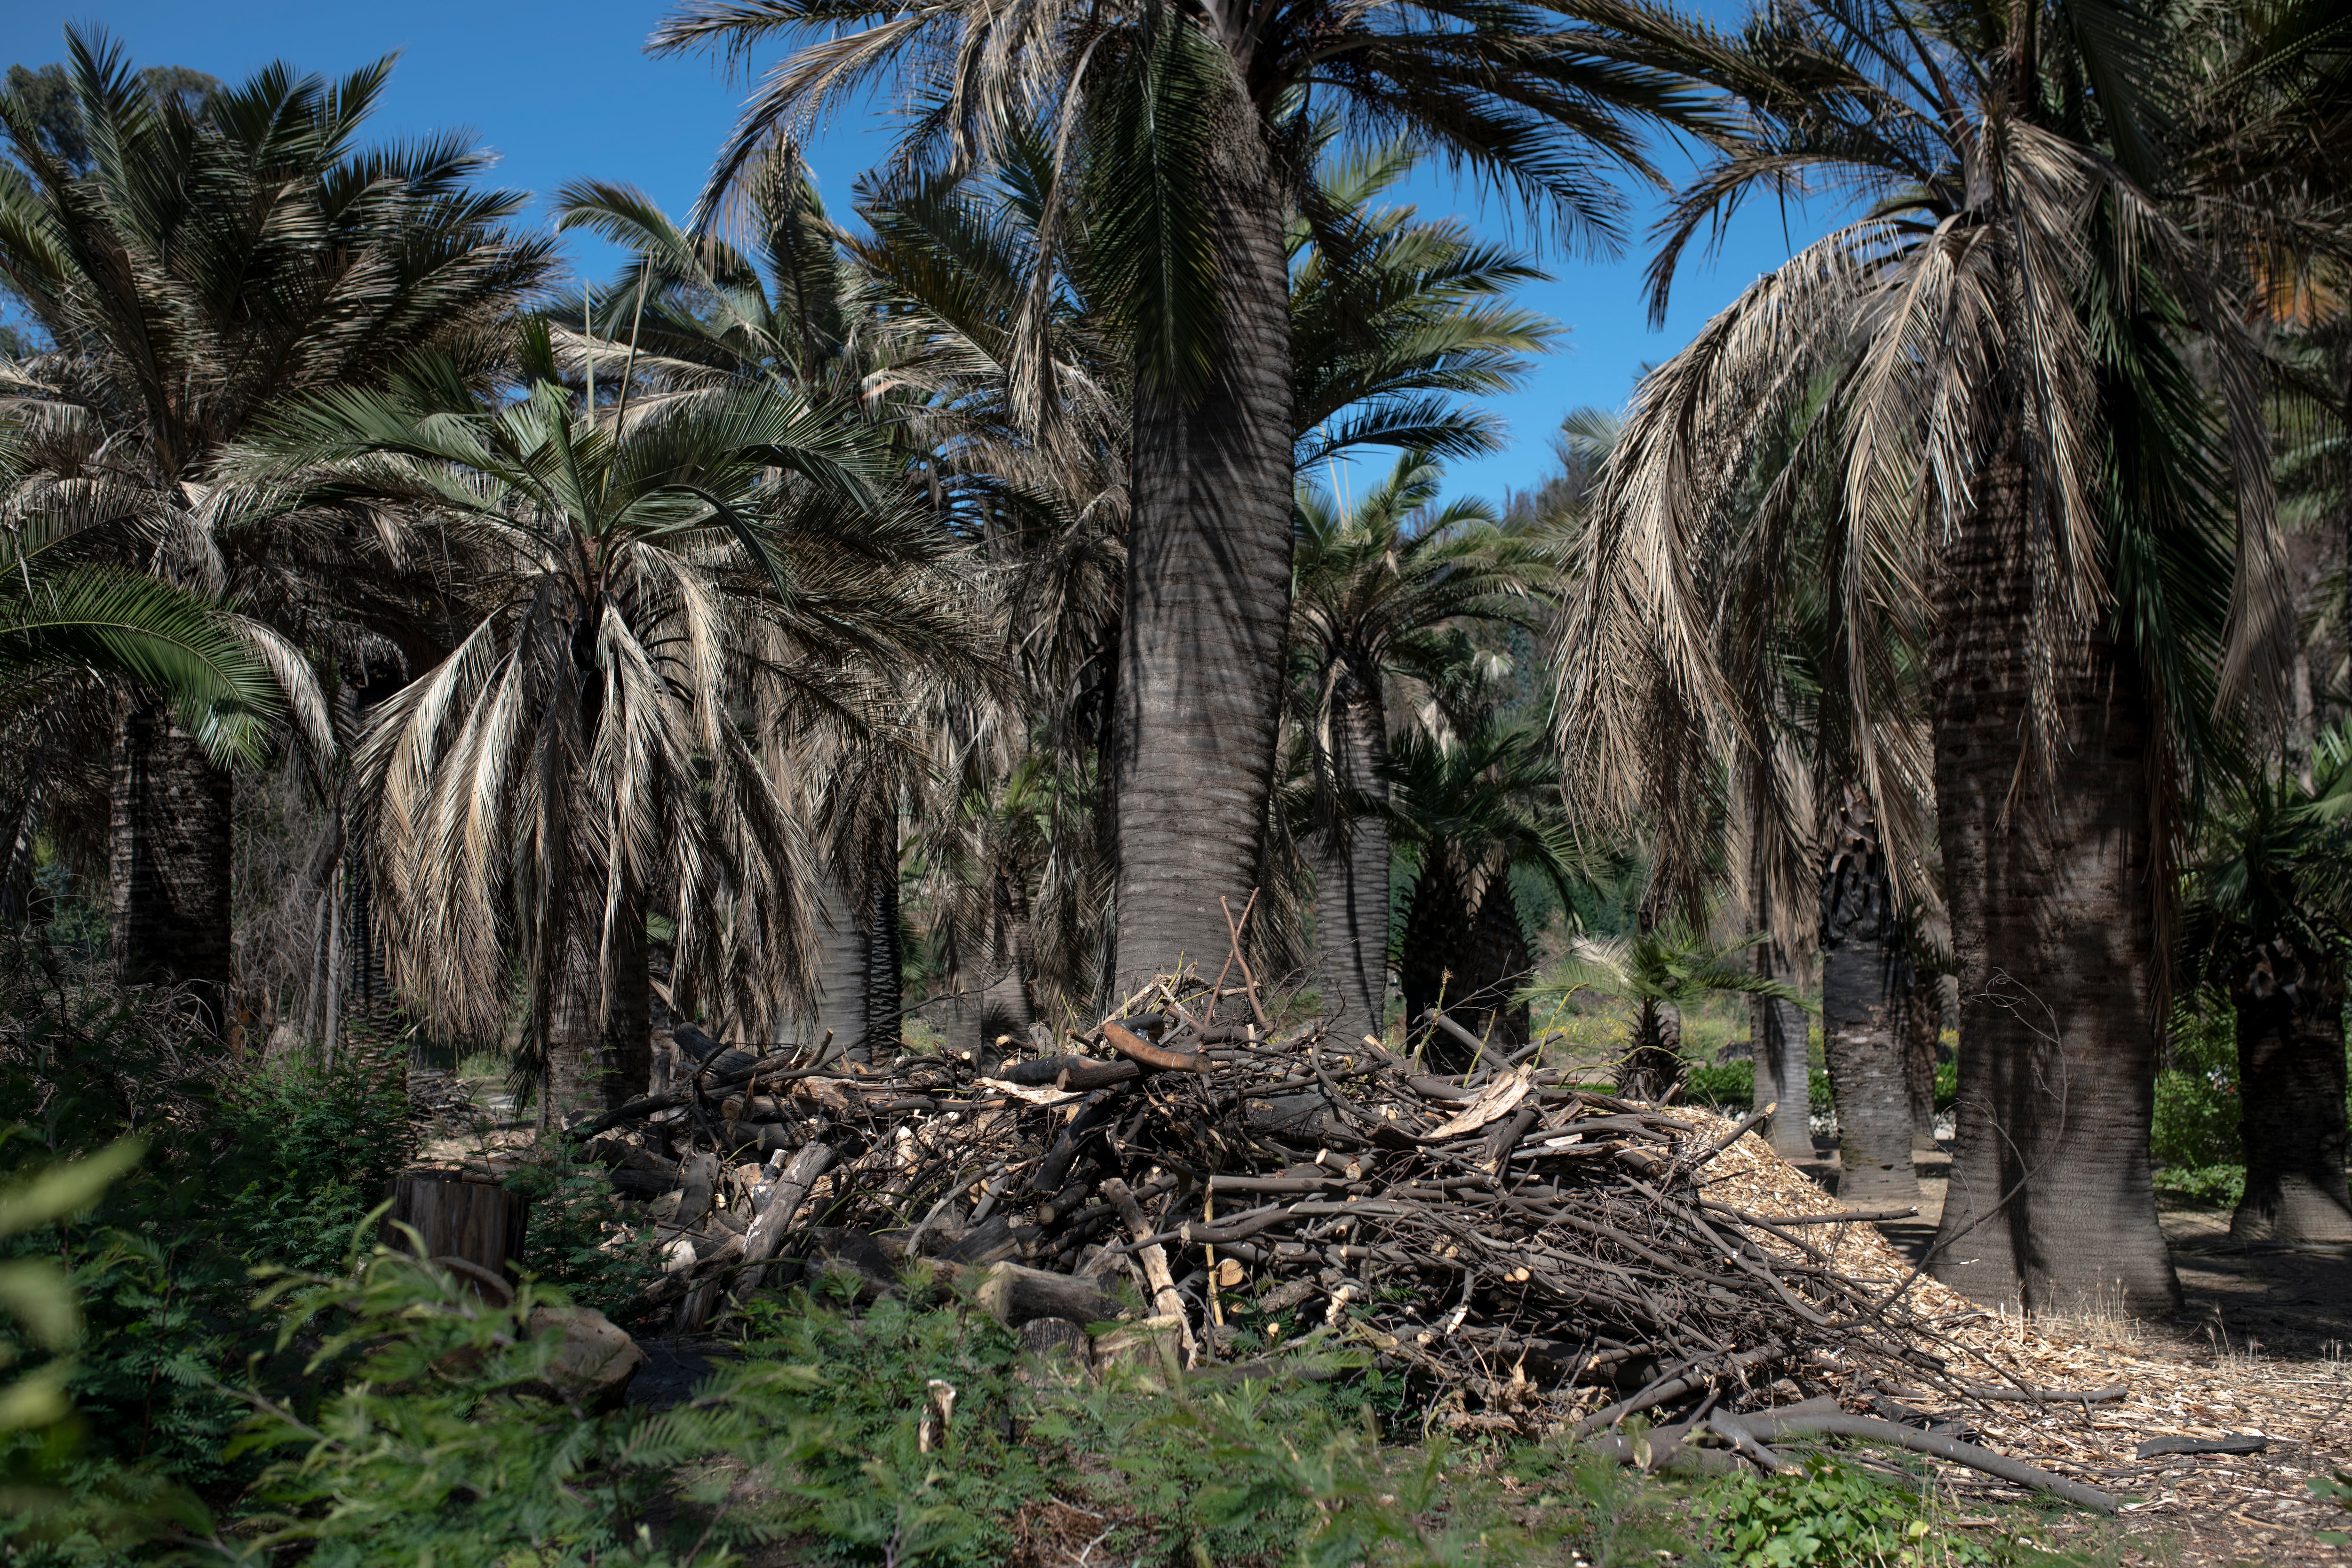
pixel 681 643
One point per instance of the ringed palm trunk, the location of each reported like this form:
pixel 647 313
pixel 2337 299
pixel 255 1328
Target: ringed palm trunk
pixel 1206 605
pixel 1922 1019
pixel 884 965
pixel 1864 981
pixel 2050 874
pixel 839 988
pixel 1783 1077
pixel 169 858
pixel 2289 1018
pixel 1351 883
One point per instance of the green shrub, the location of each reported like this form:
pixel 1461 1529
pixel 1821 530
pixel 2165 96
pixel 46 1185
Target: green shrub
pixel 2196 1121
pixel 2204 1186
pixel 1721 1086
pixel 1830 1515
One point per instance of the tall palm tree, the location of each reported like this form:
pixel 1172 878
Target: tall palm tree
pixel 1188 136
pixel 662 600
pixel 2030 491
pixel 1383 590
pixel 216 255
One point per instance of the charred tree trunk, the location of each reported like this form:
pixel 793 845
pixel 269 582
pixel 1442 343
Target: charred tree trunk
pixel 1351 874
pixel 2048 864
pixel 169 859
pixel 1865 975
pixel 1783 1062
pixel 1207 599
pixel 2290 1007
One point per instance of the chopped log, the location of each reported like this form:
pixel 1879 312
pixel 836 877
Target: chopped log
pixel 454 1216
pixel 2230 1443
pixel 1165 1300
pixel 1013 1296
pixel 1056 1339
pixel 786 1196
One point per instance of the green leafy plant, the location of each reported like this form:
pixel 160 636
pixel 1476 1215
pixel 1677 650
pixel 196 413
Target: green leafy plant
pixel 2337 1489
pixel 1830 1515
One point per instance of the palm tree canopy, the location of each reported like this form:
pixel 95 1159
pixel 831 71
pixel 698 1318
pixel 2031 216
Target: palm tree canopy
pixel 666 605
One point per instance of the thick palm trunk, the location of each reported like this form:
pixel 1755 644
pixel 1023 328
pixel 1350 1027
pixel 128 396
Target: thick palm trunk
pixel 1207 603
pixel 1653 1067
pixel 884 961
pixel 1351 883
pixel 2290 1004
pixel 1864 976
pixel 838 989
pixel 2050 873
pixel 169 859
pixel 1783 1078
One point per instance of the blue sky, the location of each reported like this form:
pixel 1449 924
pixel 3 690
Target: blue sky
pixel 565 90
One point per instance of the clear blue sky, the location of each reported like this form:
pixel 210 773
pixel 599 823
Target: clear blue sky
pixel 565 90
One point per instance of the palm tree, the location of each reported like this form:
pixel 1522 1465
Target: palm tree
pixel 1383 590
pixel 2029 486
pixel 1471 811
pixel 218 254
pixel 2269 917
pixel 663 600
pixel 1663 970
pixel 1188 138
pixel 1866 989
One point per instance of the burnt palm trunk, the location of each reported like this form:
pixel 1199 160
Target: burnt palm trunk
pixel 2290 1017
pixel 1783 1061
pixel 1352 876
pixel 1653 1067
pixel 1207 603
pixel 1865 975
pixel 169 858
pixel 2050 866
pixel 1472 955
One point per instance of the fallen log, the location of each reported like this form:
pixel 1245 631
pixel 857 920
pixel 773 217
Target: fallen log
pixel 1766 1424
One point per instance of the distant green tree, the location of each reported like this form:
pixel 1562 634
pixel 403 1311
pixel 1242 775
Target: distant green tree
pixel 55 111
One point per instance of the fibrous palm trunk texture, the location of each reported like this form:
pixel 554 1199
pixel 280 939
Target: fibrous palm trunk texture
pixel 1352 881
pixel 1865 976
pixel 169 859
pixel 1780 1032
pixel 1207 602
pixel 2049 867
pixel 2291 1084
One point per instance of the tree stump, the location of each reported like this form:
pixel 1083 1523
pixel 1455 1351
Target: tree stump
pixel 456 1215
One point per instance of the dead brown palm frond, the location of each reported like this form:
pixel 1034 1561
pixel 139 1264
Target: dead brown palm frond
pixel 581 757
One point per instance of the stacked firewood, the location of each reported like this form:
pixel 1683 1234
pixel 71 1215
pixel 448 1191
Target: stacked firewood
pixel 1524 1250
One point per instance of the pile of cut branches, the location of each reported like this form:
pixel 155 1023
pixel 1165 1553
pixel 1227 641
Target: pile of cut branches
pixel 1517 1249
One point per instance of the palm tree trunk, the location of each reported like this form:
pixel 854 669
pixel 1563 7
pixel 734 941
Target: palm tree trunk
pixel 2050 874
pixel 169 859
pixel 2290 1006
pixel 1922 1019
pixel 884 961
pixel 1207 603
pixel 838 993
pixel 1351 883
pixel 1864 975
pixel 1779 1031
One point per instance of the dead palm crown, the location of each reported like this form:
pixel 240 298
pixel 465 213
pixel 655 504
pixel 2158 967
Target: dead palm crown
pixel 662 600
pixel 215 255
